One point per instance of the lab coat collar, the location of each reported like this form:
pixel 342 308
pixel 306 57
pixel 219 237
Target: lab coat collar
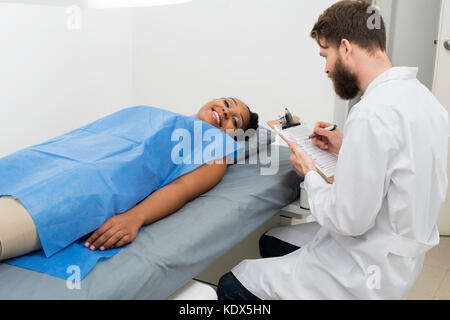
pixel 394 73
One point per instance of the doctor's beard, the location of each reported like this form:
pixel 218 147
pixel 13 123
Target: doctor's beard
pixel 345 83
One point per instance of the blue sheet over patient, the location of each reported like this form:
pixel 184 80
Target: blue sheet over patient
pixel 72 184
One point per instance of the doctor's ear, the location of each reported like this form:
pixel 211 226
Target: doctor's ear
pixel 346 48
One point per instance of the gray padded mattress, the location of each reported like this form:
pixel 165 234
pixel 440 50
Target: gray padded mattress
pixel 170 252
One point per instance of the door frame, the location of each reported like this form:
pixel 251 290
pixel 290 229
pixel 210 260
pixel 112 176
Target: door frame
pixel 439 42
pixel 442 223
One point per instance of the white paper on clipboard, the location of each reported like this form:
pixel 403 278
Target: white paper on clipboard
pixel 324 160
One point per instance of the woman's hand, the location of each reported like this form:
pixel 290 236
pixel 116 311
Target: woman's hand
pixel 115 232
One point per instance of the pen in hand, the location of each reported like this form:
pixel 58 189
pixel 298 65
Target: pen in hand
pixel 330 128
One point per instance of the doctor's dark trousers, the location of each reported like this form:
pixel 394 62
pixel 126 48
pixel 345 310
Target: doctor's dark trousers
pixel 229 287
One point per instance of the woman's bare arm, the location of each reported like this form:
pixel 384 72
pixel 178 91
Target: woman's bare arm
pixel 122 229
pixel 175 195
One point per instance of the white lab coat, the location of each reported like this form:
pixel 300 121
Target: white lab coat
pixel 378 219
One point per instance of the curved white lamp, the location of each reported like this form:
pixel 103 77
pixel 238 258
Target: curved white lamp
pixel 99 4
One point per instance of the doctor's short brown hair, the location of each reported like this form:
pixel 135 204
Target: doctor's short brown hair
pixel 350 19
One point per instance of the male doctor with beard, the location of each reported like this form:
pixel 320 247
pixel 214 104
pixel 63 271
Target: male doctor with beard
pixel 375 223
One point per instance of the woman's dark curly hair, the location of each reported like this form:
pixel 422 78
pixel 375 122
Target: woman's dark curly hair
pixel 253 120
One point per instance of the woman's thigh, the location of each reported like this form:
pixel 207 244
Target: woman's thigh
pixel 18 234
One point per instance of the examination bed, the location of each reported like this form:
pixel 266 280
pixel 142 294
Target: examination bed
pixel 169 253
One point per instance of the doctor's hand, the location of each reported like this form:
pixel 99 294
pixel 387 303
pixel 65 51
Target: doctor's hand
pixel 117 231
pixel 300 161
pixel 327 140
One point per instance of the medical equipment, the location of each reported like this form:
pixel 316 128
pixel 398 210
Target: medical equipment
pixel 304 204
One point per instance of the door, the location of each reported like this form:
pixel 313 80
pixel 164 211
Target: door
pixel 442 92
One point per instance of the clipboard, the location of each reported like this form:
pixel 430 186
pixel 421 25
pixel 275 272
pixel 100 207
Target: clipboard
pixel 272 125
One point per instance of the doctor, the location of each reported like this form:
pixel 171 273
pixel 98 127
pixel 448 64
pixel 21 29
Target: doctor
pixel 377 221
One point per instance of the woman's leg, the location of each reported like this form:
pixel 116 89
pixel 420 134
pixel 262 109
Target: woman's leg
pixel 18 234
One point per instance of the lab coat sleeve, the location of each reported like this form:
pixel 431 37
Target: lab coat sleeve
pixel 350 205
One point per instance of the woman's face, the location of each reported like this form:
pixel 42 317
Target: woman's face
pixel 225 114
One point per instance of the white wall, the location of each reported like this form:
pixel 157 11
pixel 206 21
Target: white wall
pixel 256 50
pixel 178 57
pixel 53 80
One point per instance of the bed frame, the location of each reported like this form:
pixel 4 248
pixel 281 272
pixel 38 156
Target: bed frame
pixel 204 285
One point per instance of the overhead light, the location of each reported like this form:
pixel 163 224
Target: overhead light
pixel 99 4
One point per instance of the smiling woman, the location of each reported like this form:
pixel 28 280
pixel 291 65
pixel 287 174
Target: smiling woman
pixel 228 114
pixel 121 175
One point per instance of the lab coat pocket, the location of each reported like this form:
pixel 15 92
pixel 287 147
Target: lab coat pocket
pixel 334 257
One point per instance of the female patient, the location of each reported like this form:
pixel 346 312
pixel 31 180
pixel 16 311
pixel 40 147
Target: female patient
pixel 18 233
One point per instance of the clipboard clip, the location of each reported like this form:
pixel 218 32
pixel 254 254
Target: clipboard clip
pixel 287 121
